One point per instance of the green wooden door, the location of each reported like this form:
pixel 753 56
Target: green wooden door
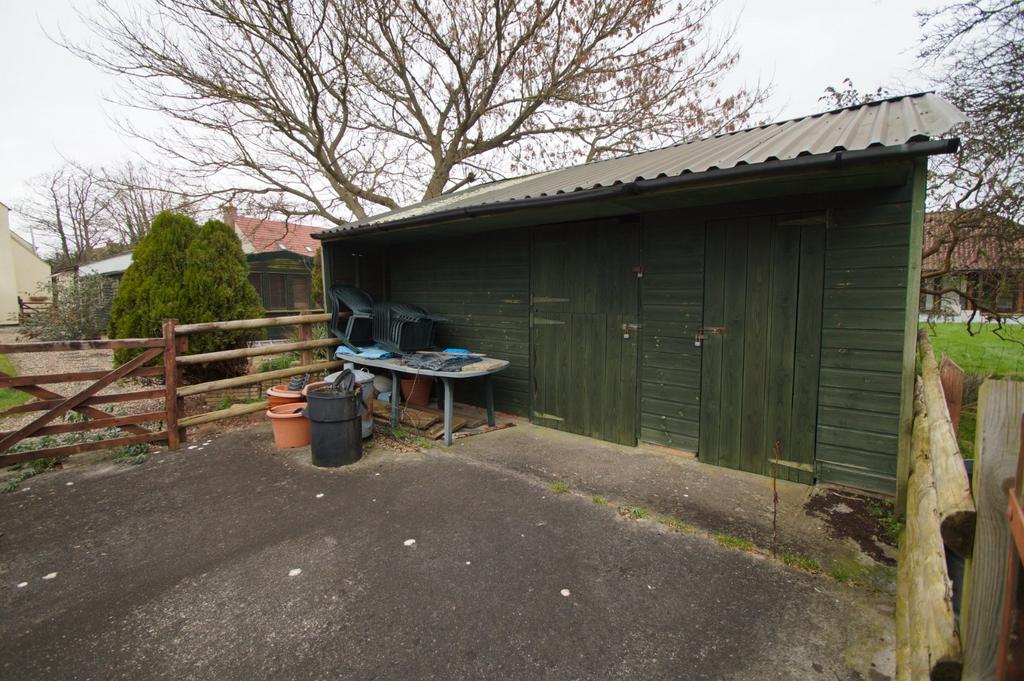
pixel 583 365
pixel 761 345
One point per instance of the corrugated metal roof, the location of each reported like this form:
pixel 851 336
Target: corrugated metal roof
pixel 891 122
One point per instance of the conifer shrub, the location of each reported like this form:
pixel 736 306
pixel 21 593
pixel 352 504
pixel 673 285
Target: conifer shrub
pixel 192 274
pixel 217 288
pixel 152 288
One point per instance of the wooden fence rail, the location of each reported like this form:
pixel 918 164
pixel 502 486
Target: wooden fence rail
pixel 953 490
pixel 172 351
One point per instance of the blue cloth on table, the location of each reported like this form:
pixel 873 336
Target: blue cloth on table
pixel 375 351
pixel 456 351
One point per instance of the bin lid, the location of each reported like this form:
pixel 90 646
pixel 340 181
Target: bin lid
pixel 361 376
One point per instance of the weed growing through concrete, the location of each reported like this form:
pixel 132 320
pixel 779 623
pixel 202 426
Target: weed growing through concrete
pixel 884 512
pixel 599 500
pixel 676 525
pixel 634 512
pixel 733 542
pixel 808 564
pixel 24 471
pixel 841 574
pixel 132 454
pixel 559 487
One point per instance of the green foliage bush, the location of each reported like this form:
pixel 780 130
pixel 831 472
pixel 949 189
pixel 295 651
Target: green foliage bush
pixel 152 288
pixel 80 310
pixel 192 274
pixel 217 288
pixel 316 289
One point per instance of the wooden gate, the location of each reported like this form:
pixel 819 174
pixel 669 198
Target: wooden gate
pixel 85 402
pixel 171 422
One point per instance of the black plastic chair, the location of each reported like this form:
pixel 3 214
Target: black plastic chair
pixel 357 329
pixel 401 327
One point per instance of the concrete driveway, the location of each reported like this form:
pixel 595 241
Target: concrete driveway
pixel 231 561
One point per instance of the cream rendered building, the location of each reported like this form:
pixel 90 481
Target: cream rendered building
pixel 22 272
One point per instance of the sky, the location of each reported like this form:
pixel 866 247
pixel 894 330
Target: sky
pixel 53 106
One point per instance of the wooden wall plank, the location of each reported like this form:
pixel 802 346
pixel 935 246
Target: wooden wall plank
pixel 807 361
pixel 752 452
pixel 865 321
pixel 480 284
pixel 671 313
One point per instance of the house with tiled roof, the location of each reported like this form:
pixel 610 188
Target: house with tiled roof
pixel 987 264
pixel 280 256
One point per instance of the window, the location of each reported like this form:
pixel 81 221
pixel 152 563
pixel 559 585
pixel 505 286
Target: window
pixel 279 291
pixel 300 292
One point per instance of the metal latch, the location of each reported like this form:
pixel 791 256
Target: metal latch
pixel 639 270
pixel 702 333
pixel 628 329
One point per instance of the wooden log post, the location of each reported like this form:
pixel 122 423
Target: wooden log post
pixel 172 378
pixel 953 493
pixel 934 644
pixel 1000 409
pixel 952 377
pixel 305 334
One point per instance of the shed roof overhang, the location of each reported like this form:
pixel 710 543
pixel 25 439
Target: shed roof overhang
pixel 881 166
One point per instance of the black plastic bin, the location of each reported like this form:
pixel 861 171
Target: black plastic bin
pixel 336 437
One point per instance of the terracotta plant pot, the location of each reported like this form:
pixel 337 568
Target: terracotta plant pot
pixel 291 428
pixel 416 390
pixel 280 394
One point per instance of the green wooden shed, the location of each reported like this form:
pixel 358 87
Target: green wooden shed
pixel 717 296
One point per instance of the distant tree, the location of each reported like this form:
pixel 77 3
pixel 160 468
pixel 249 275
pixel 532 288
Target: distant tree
pixel 86 213
pixel 152 289
pixel 68 209
pixel 976 48
pixel 316 291
pixel 340 109
pixel 136 194
pixel 217 288
pixel 847 95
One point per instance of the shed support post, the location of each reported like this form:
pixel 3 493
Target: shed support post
pixel 906 418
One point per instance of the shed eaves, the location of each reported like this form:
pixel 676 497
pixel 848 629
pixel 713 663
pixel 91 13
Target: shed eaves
pixel 891 122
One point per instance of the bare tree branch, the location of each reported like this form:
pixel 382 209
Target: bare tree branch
pixel 339 109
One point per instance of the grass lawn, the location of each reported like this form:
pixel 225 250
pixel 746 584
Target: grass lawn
pixel 8 397
pixel 985 353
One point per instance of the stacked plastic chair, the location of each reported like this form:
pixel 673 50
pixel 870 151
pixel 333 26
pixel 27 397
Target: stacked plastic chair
pixel 401 327
pixel 357 329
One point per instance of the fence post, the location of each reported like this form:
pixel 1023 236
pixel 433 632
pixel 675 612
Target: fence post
pixel 952 377
pixel 305 334
pixel 172 378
